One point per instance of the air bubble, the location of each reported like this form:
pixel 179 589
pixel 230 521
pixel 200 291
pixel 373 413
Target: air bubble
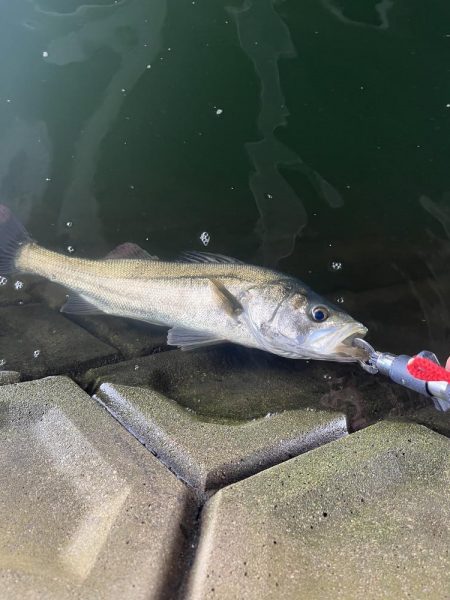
pixel 2 362
pixel 70 249
pixel 335 265
pixel 3 280
pixel 136 367
pixel 268 196
pixel 340 300
pixel 18 285
pixel 205 238
pixel 219 111
pixel 69 224
pixel 36 353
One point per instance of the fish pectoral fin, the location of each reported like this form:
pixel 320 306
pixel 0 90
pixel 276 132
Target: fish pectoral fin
pixel 189 339
pixel 78 305
pixel 225 298
pixel 208 257
pixel 128 251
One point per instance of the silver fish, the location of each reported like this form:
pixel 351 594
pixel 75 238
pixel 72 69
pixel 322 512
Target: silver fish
pixel 205 299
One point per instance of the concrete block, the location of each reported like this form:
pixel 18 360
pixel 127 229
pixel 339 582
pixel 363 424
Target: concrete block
pixel 8 377
pixel 363 517
pixel 85 511
pixel 207 453
pixel 37 341
pixel 231 382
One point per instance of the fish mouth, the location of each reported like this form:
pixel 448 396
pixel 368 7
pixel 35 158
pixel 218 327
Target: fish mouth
pixel 337 343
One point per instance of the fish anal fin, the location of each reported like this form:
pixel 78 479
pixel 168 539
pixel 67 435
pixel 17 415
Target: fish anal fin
pixel 77 305
pixel 226 299
pixel 189 339
pixel 128 251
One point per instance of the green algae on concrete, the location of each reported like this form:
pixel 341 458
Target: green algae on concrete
pixel 85 511
pixel 363 517
pixel 431 417
pixel 209 453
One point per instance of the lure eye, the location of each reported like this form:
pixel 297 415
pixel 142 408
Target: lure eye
pixel 319 314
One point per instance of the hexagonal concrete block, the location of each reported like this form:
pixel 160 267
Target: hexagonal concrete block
pixel 85 511
pixel 209 454
pixel 37 341
pixel 434 419
pixel 366 516
pixel 231 382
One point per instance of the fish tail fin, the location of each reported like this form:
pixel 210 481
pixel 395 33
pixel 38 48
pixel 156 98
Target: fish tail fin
pixel 13 235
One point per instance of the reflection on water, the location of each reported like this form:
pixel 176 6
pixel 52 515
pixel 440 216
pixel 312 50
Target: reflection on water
pixel 131 30
pixel 377 18
pixel 25 163
pixel 433 295
pixel 265 38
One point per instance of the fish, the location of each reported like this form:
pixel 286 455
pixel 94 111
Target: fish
pixel 204 298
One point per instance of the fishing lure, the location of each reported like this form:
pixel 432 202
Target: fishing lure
pixel 421 373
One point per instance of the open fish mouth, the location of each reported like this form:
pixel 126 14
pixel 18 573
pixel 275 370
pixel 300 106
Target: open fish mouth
pixel 337 343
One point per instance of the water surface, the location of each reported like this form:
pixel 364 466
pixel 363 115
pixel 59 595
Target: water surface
pixel 310 136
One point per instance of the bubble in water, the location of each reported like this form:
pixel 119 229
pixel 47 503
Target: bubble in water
pixel 70 249
pixel 335 265
pixel 340 300
pixel 18 285
pixel 36 353
pixel 45 54
pixel 268 196
pixel 3 280
pixel 219 111
pixel 136 367
pixel 69 224
pixel 2 362
pixel 205 238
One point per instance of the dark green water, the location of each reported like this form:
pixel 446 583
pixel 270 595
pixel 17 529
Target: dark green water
pixel 297 133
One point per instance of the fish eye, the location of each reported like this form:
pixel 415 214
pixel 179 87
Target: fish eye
pixel 319 313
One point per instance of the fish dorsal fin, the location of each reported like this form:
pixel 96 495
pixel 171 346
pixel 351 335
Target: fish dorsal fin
pixel 208 257
pixel 188 339
pixel 78 305
pixel 226 299
pixel 128 251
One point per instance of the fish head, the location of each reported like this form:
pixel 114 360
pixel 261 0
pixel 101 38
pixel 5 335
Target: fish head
pixel 289 319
